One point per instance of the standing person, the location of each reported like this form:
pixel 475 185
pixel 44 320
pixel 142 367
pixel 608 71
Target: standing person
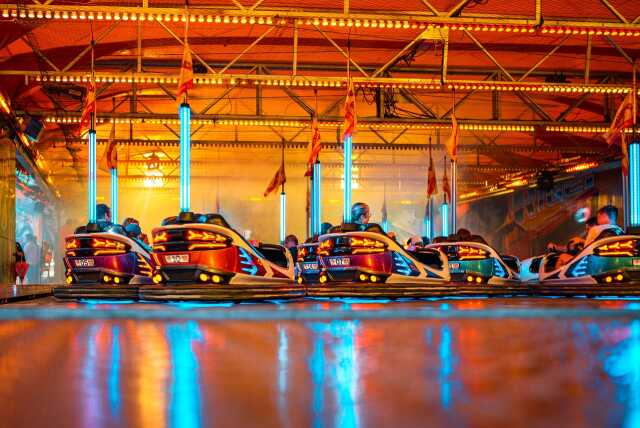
pixel 291 244
pixel 21 266
pixel 360 213
pixel 607 219
pixel 33 255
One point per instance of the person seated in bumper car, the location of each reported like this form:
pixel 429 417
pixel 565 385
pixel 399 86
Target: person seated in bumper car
pixel 133 231
pixel 607 219
pixel 103 222
pixel 574 247
pixel 360 213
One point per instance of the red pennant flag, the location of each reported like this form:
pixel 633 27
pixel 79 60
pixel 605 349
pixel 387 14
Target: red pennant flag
pixel 432 183
pixel 278 180
pixel 314 146
pixel 110 158
pixel 186 72
pixel 622 120
pixel 350 118
pixel 445 185
pixel 452 141
pixel 89 107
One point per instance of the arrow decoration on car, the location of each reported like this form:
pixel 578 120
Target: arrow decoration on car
pixel 246 260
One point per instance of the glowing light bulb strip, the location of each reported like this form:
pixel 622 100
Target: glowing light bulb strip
pixel 264 16
pixel 468 125
pixel 302 81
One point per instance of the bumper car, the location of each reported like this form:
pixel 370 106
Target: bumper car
pixel 307 265
pixel 611 260
pixel 478 263
pixel 530 268
pixel 103 262
pixel 364 254
pixel 203 249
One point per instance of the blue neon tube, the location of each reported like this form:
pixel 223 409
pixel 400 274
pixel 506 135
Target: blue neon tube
pixel 634 184
pixel 283 215
pixel 444 214
pixel 91 181
pixel 426 223
pixel 348 149
pixel 114 195
pixel 185 157
pixel 316 206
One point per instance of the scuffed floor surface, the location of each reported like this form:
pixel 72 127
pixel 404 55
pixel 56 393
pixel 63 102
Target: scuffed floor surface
pixel 476 362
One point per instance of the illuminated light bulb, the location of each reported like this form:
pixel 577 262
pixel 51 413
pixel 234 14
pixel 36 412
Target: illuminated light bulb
pixel 358 23
pixel 333 22
pixel 341 23
pixel 243 20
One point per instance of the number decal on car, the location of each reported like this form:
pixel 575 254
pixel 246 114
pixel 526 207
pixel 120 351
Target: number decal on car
pixel 177 258
pixel 84 263
pixel 340 261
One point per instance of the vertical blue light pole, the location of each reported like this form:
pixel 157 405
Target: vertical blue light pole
pixel 348 151
pixel 283 215
pixel 634 183
pixel 114 195
pixel 444 214
pixel 91 182
pixel 316 195
pixel 454 195
pixel 185 157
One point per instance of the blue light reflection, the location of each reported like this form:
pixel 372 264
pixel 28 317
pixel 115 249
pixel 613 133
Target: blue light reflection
pixel 185 410
pixel 342 370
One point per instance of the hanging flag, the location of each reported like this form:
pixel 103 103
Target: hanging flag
pixel 109 159
pixel 314 147
pixel 452 141
pixel 350 118
pixel 432 183
pixel 623 119
pixel 186 72
pixel 445 184
pixel 278 180
pixel 89 107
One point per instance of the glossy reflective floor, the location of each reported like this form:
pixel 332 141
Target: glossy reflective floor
pixel 476 362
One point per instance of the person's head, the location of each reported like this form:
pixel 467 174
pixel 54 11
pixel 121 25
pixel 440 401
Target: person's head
pixel 133 230
pixel 425 241
pixel 607 215
pixel 463 234
pixel 103 212
pixel 324 228
pixel 130 220
pixel 291 241
pixel 360 213
pixel 575 245
pixel 591 221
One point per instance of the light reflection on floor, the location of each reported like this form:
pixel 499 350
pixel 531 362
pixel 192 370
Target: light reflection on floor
pixel 324 373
